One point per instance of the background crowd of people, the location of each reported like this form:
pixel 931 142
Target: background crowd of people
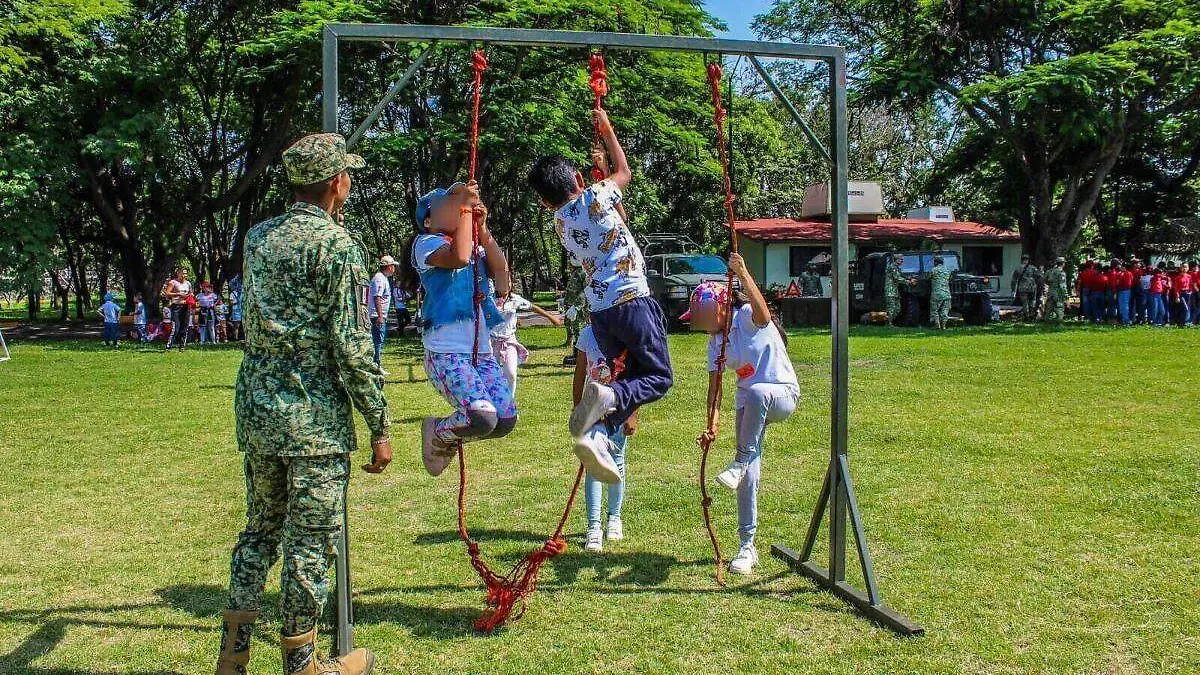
pixel 1130 292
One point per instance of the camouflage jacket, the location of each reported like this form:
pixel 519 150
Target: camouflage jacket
pixel 308 349
pixel 893 280
pixel 573 290
pixel 1056 280
pixel 939 283
pixel 1026 279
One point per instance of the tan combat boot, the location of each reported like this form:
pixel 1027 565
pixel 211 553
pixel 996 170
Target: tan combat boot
pixel 300 658
pixel 235 642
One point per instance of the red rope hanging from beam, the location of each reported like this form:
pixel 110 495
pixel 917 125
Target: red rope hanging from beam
pixel 706 440
pixel 598 81
pixel 507 593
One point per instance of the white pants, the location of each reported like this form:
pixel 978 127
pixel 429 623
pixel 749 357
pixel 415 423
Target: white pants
pixel 509 361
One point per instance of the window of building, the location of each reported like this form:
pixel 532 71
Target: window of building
pixel 983 260
pixel 800 256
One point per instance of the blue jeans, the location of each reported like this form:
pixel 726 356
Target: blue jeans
pixel 112 332
pixel 1141 304
pixel 379 331
pixel 1123 306
pixel 1099 306
pixel 758 406
pixel 1158 308
pixel 1085 304
pixel 1184 309
pixel 593 490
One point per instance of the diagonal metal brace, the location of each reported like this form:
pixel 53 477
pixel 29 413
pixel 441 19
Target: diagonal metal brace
pixel 391 94
pixel 808 132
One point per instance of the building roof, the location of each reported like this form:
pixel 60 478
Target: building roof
pixel 788 229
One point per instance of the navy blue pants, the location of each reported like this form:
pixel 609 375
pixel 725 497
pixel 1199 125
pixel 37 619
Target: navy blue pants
pixel 636 329
pixel 112 332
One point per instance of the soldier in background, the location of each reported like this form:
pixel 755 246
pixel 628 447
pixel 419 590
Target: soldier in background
pixel 1026 280
pixel 893 279
pixel 1056 291
pixel 810 283
pixel 939 293
pixel 308 358
pixel 575 315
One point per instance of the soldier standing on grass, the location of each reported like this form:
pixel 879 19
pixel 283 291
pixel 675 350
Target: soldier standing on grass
pixel 892 280
pixel 575 315
pixel 1026 281
pixel 810 283
pixel 939 293
pixel 1056 299
pixel 308 358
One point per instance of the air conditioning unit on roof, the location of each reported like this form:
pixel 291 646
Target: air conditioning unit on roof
pixel 865 201
pixel 938 214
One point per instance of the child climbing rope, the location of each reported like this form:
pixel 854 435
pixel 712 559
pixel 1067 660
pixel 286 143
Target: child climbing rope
pixel 767 389
pixel 454 327
pixel 626 322
pixel 592 366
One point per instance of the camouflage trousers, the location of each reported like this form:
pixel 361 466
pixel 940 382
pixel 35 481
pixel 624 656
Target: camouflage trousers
pixel 892 305
pixel 1055 308
pixel 294 509
pixel 939 311
pixel 1028 305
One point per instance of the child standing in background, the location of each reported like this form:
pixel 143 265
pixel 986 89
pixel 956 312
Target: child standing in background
pixel 505 346
pixel 110 311
pixel 591 366
pixel 767 388
pixel 139 318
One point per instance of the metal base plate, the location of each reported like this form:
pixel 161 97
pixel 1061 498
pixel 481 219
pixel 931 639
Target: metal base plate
pixel 880 613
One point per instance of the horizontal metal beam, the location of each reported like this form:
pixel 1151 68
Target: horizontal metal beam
pixel 570 38
pixel 878 612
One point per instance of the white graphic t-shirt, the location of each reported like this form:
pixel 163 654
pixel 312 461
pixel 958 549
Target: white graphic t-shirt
pixel 593 233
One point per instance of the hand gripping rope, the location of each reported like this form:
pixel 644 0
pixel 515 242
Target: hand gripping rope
pixel 599 84
pixel 706 440
pixel 504 593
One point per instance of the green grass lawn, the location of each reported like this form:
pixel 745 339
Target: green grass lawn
pixel 1030 495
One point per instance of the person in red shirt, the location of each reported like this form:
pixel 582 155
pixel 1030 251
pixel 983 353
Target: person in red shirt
pixel 1195 294
pixel 1137 300
pixel 1160 284
pixel 1083 287
pixel 1181 289
pixel 1100 294
pixel 1121 283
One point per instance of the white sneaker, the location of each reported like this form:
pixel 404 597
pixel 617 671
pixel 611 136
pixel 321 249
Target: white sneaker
pixel 592 451
pixel 595 540
pixel 615 531
pixel 598 400
pixel 732 476
pixel 745 560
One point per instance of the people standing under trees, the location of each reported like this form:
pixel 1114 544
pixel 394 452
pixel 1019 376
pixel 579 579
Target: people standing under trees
pixel 206 304
pixel 1056 291
pixel 1026 280
pixel 379 302
pixel 176 293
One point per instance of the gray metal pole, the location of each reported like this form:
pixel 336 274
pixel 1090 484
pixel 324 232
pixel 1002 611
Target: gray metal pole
pixel 841 317
pixel 395 89
pixel 329 80
pixel 329 122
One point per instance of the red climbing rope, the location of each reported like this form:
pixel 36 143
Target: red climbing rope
pixel 508 592
pixel 599 84
pixel 706 440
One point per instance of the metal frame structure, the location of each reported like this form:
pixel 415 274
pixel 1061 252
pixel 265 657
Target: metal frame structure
pixel 4 355
pixel 837 493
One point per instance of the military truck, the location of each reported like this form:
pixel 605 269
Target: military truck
pixel 674 268
pixel 970 295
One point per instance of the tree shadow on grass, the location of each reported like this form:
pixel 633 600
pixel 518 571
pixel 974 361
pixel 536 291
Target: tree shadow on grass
pixel 43 641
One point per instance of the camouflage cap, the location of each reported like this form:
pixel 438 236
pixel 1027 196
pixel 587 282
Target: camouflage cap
pixel 318 157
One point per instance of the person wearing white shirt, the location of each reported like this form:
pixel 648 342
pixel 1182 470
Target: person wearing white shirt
pixel 767 388
pixel 505 346
pixel 379 301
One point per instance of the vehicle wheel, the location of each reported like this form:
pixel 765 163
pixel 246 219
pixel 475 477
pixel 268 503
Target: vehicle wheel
pixel 979 312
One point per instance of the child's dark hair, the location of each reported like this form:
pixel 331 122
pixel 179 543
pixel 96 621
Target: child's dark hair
pixel 553 178
pixel 740 300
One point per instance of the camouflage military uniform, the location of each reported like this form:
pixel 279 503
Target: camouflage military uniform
pixel 939 296
pixel 1056 299
pixel 892 280
pixel 308 358
pixel 1026 281
pixel 573 297
pixel 810 285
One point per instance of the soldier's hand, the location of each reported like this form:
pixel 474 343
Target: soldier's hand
pixel 381 455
